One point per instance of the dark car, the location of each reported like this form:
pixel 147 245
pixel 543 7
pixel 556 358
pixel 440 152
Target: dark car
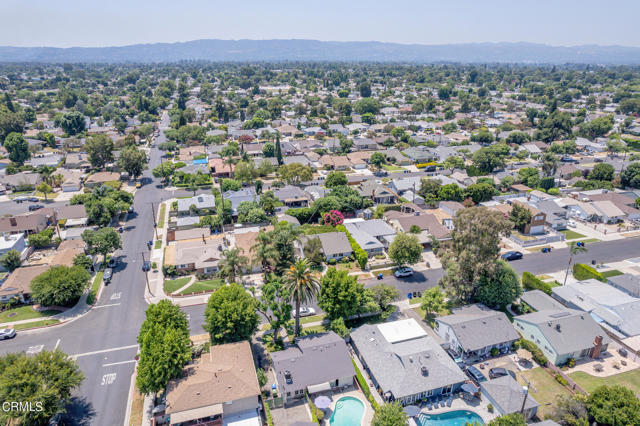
pixel 499 372
pixel 511 255
pixel 476 375
pixel 106 277
pixel 34 199
pixel 35 207
pixel 146 266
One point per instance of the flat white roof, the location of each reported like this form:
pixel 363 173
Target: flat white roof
pixel 400 331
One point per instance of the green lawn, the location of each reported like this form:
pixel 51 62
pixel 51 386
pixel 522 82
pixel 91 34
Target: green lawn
pixel 163 208
pixel 315 329
pixel 200 286
pixel 547 389
pixel 172 285
pixel 158 244
pixel 572 235
pixel 629 379
pixel 93 292
pixel 611 273
pixel 392 168
pixel 29 325
pixel 312 318
pixel 23 313
pixel 544 277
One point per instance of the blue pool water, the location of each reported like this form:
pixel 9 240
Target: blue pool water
pixel 347 412
pixel 451 418
pixel 200 161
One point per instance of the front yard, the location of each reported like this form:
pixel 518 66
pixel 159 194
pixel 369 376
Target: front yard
pixel 172 285
pixel 200 286
pixel 572 235
pixel 629 379
pixel 35 324
pixel 24 313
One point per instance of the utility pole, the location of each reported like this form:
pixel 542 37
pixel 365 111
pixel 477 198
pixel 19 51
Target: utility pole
pixel 155 224
pixel 526 394
pixel 146 277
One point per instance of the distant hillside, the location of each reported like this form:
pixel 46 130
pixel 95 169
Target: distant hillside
pixel 313 50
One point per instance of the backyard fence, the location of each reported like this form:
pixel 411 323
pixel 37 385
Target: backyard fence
pixel 571 383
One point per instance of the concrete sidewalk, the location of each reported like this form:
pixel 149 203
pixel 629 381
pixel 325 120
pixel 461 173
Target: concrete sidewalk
pixel 78 310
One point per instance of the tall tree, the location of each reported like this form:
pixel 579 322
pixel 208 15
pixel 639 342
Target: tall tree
pixel 72 123
pixel 230 315
pixel 232 264
pixel 405 249
pixel 614 405
pixel 432 302
pixel 303 286
pixel 278 149
pixel 45 188
pixel 574 249
pixel 133 161
pixel 100 150
pixel 11 260
pixel 274 304
pixel 17 147
pixel 103 241
pixel 60 285
pixel 264 252
pixel 341 295
pixel 390 414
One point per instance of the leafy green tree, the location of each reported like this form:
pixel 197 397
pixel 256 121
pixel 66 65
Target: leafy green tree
pixel 483 136
pixel 513 419
pixel 432 302
pixel 10 122
pixel 367 105
pixel 365 89
pixel 100 150
pixel 480 192
pixel 11 260
pixel 82 260
pixel 302 285
pixel 453 162
pixel 164 170
pixel 570 410
pixel 60 285
pixel 472 250
pixel 490 158
pixel 390 414
pixel 17 147
pixel 574 249
pixel 274 304
pixel 42 239
pixel 268 202
pixel 264 252
pixel 336 179
pixel 520 216
pixel 549 163
pixel 383 295
pixel 44 380
pixel 451 192
pixel 295 173
pixel 517 138
pixel 631 176
pixel 102 241
pixel 313 251
pixel 499 289
pixel 614 405
pixel 602 171
pixel 278 149
pixel 72 123
pixel 230 315
pixel 133 161
pixel 341 295
pixel 45 189
pixel 269 150
pixel 377 159
pixel 405 249
pixel 232 264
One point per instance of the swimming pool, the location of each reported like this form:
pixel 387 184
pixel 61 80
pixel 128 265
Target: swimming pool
pixel 451 418
pixel 347 412
pixel 200 161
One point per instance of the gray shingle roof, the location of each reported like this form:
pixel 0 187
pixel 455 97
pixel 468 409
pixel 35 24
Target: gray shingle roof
pixel 334 243
pixel 508 395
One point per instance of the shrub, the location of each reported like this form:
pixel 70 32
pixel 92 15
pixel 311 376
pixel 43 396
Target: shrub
pixel 495 352
pixel 169 270
pixel 530 282
pixel 364 386
pixel 571 363
pixel 360 255
pixel 490 408
pixel 537 354
pixel 561 380
pixel 585 272
pixel 332 261
pixel 154 265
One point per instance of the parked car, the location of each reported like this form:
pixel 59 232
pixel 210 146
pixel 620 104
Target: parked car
pixel 403 272
pixel 138 185
pixel 20 199
pixel 33 199
pixel 305 311
pixel 476 375
pixel 567 159
pixel 571 223
pixel 146 266
pixel 7 333
pixel 499 372
pixel 511 255
pixel 35 207
pixel 106 277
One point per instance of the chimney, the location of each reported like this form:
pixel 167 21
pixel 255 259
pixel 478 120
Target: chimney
pixel 597 347
pixel 13 221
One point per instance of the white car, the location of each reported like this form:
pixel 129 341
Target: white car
pixel 304 312
pixel 7 333
pixel 571 223
pixel 403 272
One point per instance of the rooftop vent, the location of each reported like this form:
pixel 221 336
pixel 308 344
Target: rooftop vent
pixel 287 377
pixel 425 371
pixel 558 327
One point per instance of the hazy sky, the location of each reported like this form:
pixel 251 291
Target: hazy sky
pixel 67 23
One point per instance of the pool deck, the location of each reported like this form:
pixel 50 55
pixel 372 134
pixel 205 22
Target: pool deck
pixel 335 396
pixel 478 406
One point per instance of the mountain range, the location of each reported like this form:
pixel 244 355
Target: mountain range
pixel 314 50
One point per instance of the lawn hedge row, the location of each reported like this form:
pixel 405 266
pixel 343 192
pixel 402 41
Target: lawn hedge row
pixel 537 354
pixel 530 282
pixel 585 272
pixel 361 256
pixel 364 386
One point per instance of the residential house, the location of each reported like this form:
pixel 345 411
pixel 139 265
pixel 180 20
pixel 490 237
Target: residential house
pixel 608 211
pixel 15 242
pixel 474 331
pixel 623 202
pixel 219 388
pixel 203 204
pixel 18 284
pixel 377 192
pixel 419 154
pixel 376 228
pixel 404 363
pixel 66 251
pixel 428 223
pixel 506 396
pixel 365 144
pixel 628 283
pixel 582 210
pixel 371 245
pixel 101 178
pixel 316 363
pixel 199 255
pixel 335 245
pixel 555 216
pixel 292 196
pixel 219 169
pixel 237 197
pixel 187 234
pixel 450 207
pixel 562 334
pixel 27 223
pixel 21 180
pixel 610 307
pixel 77 161
pixel 300 159
pixel 244 239
pixel 335 162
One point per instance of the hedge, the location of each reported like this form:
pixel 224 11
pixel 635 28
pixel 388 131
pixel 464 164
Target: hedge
pixel 537 354
pixel 585 272
pixel 530 282
pixel 364 386
pixel 361 256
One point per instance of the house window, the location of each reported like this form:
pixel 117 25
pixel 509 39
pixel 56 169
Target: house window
pixel 288 393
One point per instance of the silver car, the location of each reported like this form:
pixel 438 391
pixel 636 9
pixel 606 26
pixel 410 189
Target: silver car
pixel 304 311
pixel 7 333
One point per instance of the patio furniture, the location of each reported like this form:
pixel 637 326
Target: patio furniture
pixel 598 368
pixel 322 402
pixel 449 402
pixel 429 405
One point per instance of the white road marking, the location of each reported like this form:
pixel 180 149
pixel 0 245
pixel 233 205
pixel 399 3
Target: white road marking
pixel 57 344
pixel 35 349
pixel 121 348
pixel 115 296
pixel 118 363
pixel 106 306
pixel 108 379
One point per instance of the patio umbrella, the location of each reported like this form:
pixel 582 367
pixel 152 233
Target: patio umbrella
pixel 322 402
pixel 469 388
pixel 412 410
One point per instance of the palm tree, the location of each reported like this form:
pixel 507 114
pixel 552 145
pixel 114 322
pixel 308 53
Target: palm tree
pixel 264 252
pixel 574 249
pixel 302 285
pixel 232 264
